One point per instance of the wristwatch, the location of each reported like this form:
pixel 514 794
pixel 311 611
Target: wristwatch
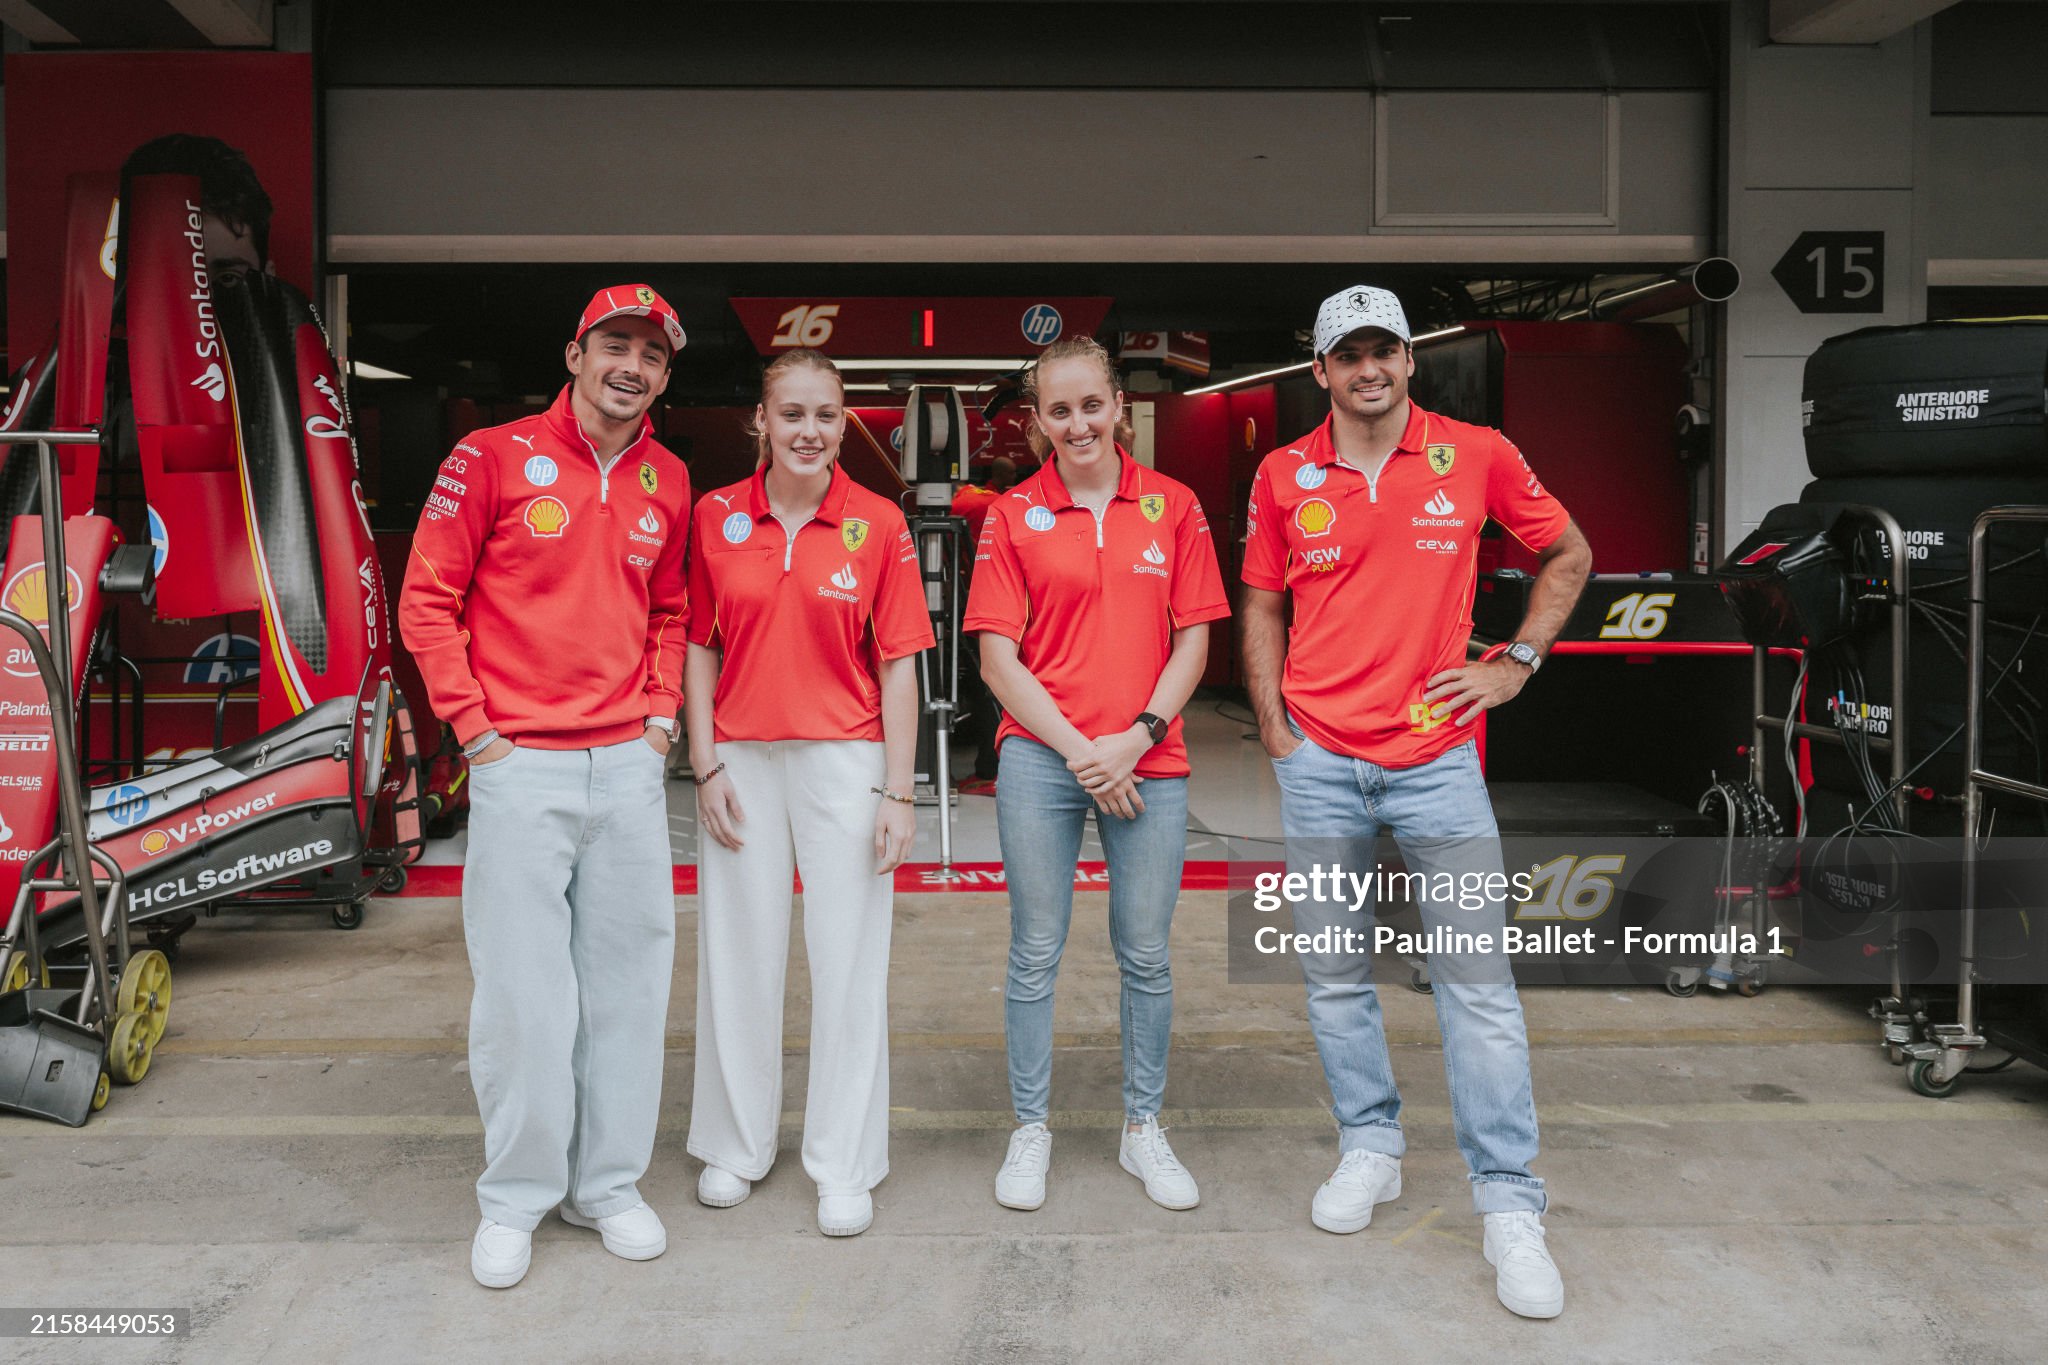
pixel 1154 726
pixel 1524 654
pixel 665 724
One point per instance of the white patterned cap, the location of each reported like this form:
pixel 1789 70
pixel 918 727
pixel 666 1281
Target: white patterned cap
pixel 1347 310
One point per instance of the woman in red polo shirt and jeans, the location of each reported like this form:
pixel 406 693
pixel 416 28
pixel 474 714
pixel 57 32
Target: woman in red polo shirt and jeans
pixel 806 614
pixel 1093 584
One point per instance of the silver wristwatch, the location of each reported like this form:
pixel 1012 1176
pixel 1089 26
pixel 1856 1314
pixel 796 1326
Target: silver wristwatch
pixel 1524 654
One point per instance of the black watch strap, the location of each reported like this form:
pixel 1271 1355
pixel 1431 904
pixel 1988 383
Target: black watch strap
pixel 1155 726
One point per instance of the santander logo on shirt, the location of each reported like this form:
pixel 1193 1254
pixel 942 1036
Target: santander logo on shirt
pixel 1439 508
pixel 843 584
pixel 1155 560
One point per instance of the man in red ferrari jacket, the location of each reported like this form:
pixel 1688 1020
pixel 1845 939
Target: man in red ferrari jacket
pixel 544 601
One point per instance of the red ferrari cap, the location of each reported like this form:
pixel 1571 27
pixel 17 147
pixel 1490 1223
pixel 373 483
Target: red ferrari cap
pixel 632 300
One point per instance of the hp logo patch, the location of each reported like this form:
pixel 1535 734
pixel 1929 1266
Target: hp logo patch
pixel 1311 476
pixel 1039 519
pixel 159 541
pixel 896 439
pixel 541 471
pixel 127 804
pixel 738 527
pixel 223 659
pixel 1042 324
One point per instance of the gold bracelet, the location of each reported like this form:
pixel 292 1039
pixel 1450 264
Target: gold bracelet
pixel 883 791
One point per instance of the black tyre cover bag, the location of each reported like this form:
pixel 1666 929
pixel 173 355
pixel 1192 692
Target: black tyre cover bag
pixel 1935 398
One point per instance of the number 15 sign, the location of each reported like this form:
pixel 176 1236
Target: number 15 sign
pixel 1833 272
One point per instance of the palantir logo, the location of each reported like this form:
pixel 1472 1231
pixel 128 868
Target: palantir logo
pixel 1042 324
pixel 844 579
pixel 213 382
pixel 1439 506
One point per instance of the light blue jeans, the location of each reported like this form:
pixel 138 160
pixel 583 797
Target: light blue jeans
pixel 1440 817
pixel 1041 811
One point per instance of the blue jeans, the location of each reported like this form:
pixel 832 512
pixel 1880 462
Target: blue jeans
pixel 1041 811
pixel 1439 815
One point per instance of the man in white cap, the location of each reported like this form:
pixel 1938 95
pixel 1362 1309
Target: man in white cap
pixel 1372 523
pixel 544 600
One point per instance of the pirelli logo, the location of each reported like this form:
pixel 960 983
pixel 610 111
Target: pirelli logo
pixel 24 744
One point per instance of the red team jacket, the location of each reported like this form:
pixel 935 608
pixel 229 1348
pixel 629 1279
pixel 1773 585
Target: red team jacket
pixel 544 597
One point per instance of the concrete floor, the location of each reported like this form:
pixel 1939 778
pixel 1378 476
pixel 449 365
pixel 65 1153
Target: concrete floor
pixel 1728 1177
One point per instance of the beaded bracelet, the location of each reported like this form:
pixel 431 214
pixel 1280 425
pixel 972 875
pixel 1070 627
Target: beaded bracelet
pixel 906 800
pixel 700 781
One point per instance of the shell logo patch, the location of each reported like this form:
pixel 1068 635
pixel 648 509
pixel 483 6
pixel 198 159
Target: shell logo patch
pixel 853 534
pixel 1315 517
pixel 546 517
pixel 649 480
pixel 155 842
pixel 1153 505
pixel 1441 458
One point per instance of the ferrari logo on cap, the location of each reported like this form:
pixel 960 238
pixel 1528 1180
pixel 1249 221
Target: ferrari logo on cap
pixel 853 534
pixel 1153 505
pixel 649 480
pixel 1441 458
pixel 645 295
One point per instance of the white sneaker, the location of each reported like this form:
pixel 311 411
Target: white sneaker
pixel 636 1234
pixel 845 1215
pixel 1146 1156
pixel 499 1255
pixel 1361 1180
pixel 719 1188
pixel 1526 1278
pixel 1021 1182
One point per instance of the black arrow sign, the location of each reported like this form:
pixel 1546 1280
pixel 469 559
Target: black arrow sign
pixel 1833 272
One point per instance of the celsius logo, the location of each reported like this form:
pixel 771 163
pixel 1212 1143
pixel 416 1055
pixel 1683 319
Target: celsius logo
pixel 541 471
pixel 845 579
pixel 1439 506
pixel 213 382
pixel 649 524
pixel 1042 324
pixel 1154 555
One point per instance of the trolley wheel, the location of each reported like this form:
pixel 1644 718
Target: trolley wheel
pixel 1748 987
pixel 2001 1064
pixel 1419 982
pixel 130 1049
pixel 392 882
pixel 1896 1053
pixel 1684 990
pixel 101 1091
pixel 349 915
pixel 1921 1077
pixel 145 989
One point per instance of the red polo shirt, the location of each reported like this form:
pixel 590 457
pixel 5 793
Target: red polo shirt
pixel 1093 602
pixel 1381 570
pixel 804 614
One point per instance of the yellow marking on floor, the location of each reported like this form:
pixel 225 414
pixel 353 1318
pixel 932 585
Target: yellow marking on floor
pixel 1255 1040
pixel 1420 1225
pixel 114 1124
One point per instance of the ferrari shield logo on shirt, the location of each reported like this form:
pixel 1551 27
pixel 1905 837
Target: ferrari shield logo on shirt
pixel 541 471
pixel 1039 519
pixel 737 528
pixel 1153 505
pixel 649 480
pixel 1315 517
pixel 1441 458
pixel 1310 476
pixel 853 534
pixel 546 517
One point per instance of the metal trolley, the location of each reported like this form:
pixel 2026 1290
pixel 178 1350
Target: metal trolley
pixel 61 1048
pixel 1938 1060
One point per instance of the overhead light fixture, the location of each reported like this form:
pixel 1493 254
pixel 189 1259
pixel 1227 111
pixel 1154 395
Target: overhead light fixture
pixel 1242 380
pixel 363 370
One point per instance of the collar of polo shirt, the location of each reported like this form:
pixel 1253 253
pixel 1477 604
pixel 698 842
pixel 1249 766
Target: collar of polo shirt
pixel 1129 481
pixel 831 511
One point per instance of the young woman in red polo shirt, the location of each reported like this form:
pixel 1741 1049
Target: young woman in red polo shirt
pixel 1093 585
pixel 806 614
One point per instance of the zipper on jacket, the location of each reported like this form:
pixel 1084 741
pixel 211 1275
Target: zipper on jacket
pixel 789 538
pixel 1098 511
